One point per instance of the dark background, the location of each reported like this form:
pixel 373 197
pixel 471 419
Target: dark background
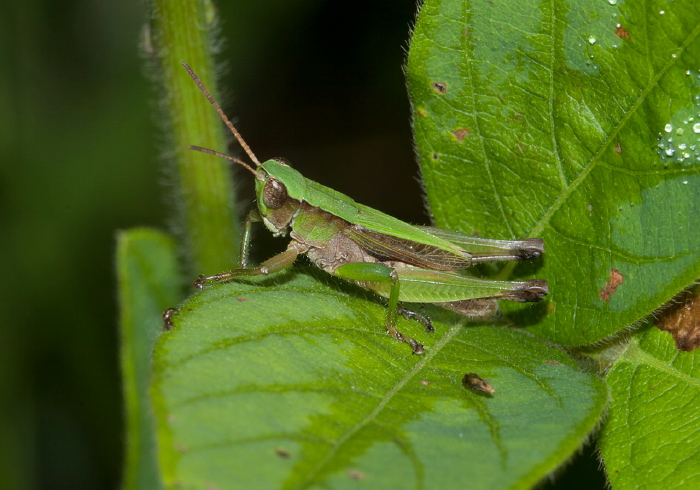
pixel 318 82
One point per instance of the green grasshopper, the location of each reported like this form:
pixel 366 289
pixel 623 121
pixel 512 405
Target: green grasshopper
pixel 397 261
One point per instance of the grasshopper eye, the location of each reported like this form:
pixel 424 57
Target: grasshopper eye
pixel 274 194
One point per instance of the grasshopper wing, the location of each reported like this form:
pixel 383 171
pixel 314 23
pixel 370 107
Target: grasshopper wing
pixel 387 247
pixel 461 251
pixel 488 250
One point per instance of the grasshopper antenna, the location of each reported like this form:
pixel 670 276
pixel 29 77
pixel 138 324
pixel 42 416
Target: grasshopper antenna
pixel 226 121
pixel 257 174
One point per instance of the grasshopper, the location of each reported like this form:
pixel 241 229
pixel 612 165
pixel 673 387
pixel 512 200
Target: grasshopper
pixel 396 260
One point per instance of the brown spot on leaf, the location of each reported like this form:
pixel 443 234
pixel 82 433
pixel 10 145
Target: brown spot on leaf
pixel 435 156
pixel 611 286
pixel 553 363
pixel 356 475
pixel 682 319
pixel 421 112
pixel 477 383
pixel 622 33
pixel 618 148
pixel 241 299
pixel 425 383
pixel 282 453
pixel 439 87
pixel 461 133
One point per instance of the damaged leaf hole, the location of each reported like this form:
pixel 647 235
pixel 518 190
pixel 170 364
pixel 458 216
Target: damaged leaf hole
pixel 439 87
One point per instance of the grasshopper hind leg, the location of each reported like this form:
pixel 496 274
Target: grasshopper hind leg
pixel 414 315
pixel 365 272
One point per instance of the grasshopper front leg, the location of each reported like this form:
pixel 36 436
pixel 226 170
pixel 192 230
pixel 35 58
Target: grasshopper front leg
pixel 379 273
pixel 253 217
pixel 273 264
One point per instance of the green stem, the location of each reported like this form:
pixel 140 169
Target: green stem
pixel 182 31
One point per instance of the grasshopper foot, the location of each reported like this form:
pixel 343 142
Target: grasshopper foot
pixel 415 346
pixel 200 282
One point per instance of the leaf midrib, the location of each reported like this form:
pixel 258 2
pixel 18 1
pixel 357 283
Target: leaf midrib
pixel 594 160
pixel 437 347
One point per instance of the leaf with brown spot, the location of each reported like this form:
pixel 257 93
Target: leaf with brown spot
pixel 682 319
pixel 611 286
pixel 461 133
pixel 543 149
pixel 622 33
pixel 243 384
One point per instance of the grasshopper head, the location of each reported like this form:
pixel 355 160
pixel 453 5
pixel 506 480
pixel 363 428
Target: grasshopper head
pixel 280 191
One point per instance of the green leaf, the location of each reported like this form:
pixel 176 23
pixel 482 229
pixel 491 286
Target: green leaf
pixel 652 434
pixel 578 124
pixel 288 382
pixel 148 284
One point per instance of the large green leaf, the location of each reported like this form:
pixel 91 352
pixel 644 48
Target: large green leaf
pixel 287 382
pixel 577 122
pixel 652 435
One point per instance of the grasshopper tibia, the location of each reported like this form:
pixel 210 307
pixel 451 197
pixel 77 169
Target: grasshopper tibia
pixel 273 264
pixel 414 315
